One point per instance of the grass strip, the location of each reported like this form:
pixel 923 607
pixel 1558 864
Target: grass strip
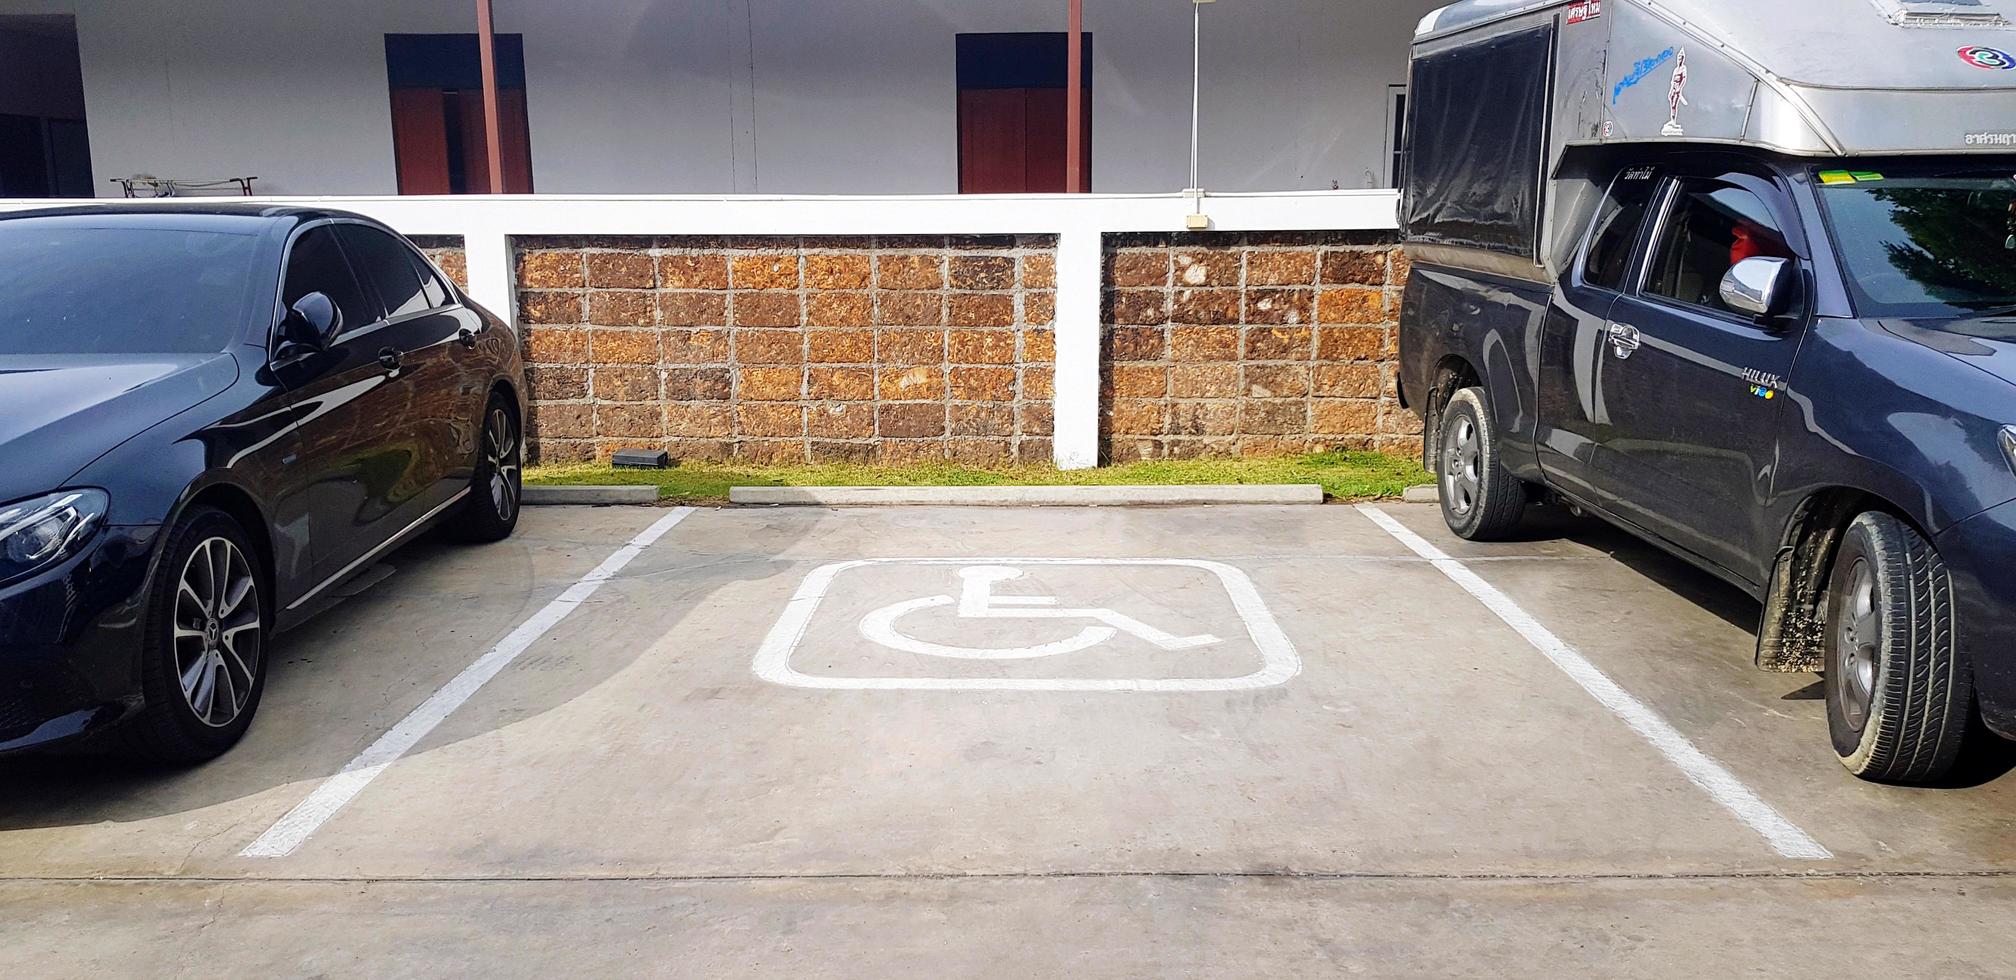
pixel 1343 475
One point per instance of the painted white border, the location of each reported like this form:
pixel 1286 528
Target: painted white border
pixel 486 225
pixel 295 827
pixel 1711 776
pixel 1280 661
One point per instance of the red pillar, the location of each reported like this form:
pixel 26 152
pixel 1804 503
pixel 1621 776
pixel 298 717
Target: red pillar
pixel 1074 102
pixel 493 138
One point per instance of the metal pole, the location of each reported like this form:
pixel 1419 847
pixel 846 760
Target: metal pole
pixel 1196 93
pixel 1074 102
pixel 486 45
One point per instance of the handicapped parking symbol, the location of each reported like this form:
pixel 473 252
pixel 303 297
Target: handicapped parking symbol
pixel 977 600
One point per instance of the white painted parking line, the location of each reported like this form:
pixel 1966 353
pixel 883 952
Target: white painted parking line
pixel 1711 776
pixel 1279 661
pixel 291 831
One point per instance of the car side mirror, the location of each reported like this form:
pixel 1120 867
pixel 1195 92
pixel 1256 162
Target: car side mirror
pixel 1762 287
pixel 312 322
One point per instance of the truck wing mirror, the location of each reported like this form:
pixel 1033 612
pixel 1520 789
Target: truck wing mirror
pixel 1762 287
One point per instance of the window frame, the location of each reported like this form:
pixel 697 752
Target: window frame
pixel 421 267
pixel 1775 200
pixel 1641 236
pixel 1396 135
pixel 280 309
pixel 368 285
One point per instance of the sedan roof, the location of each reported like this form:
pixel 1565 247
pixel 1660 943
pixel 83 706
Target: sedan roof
pixel 239 217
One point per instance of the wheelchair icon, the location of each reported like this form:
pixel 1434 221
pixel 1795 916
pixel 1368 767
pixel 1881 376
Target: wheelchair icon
pixel 977 600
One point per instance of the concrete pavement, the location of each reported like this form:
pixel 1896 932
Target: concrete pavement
pixel 980 764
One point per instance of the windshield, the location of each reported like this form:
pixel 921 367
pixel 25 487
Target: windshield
pixel 67 288
pixel 1925 244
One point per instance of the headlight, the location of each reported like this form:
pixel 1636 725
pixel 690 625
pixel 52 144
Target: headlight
pixel 42 531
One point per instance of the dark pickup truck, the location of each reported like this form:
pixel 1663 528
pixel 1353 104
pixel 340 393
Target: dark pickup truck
pixel 1738 307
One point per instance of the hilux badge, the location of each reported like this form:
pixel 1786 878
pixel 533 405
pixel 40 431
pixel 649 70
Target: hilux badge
pixel 1763 384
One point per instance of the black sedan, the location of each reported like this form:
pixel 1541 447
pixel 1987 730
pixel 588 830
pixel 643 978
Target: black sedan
pixel 210 418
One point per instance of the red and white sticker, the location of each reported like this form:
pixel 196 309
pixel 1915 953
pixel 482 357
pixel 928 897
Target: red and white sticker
pixel 1585 10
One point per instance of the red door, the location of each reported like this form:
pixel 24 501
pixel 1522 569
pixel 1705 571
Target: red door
pixel 1012 141
pixel 420 140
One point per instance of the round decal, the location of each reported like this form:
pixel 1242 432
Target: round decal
pixel 1993 59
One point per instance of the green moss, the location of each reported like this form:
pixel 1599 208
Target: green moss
pixel 1343 475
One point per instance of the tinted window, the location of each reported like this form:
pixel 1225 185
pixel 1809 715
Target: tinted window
pixel 388 264
pixel 1713 226
pixel 66 288
pixel 1925 244
pixel 430 283
pixel 1616 229
pixel 317 265
pixel 1475 143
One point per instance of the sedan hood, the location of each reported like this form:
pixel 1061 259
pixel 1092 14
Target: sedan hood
pixel 58 413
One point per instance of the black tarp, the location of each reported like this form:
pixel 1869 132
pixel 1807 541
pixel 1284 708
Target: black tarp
pixel 1477 133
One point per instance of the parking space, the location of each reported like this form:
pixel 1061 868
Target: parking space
pixel 906 733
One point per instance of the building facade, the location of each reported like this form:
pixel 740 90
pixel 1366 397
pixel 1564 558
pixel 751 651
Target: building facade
pixel 798 97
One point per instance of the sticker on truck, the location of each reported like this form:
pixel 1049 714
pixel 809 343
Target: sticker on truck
pixel 1585 11
pixel 1992 59
pixel 1641 70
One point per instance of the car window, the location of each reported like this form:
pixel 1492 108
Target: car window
pixel 430 282
pixel 1924 241
pixel 316 264
pixel 75 286
pixel 1616 230
pixel 1712 227
pixel 388 264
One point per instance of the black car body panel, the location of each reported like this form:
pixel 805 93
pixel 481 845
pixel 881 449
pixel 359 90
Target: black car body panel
pixel 63 412
pixel 68 639
pixel 328 459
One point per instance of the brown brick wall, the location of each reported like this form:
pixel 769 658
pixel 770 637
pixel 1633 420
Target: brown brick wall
pixel 790 349
pixel 1251 345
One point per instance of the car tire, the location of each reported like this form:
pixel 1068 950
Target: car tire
pixel 203 653
pixel 1899 689
pixel 496 492
pixel 1481 501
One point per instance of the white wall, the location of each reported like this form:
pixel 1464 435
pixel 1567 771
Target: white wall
pixel 737 96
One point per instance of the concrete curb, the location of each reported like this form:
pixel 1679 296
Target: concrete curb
pixel 1427 493
pixel 1026 496
pixel 593 496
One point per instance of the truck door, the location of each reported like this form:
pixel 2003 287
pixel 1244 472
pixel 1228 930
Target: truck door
pixel 1573 418
pixel 1693 388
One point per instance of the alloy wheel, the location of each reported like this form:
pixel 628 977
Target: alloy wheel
pixel 217 634
pixel 500 451
pixel 1462 457
pixel 1857 635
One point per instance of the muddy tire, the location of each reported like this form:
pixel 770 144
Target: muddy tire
pixel 1899 689
pixel 1481 501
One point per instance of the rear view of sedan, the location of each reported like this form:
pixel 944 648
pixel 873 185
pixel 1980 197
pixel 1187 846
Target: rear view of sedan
pixel 209 419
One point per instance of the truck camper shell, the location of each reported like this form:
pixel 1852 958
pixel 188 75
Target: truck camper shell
pixel 1505 94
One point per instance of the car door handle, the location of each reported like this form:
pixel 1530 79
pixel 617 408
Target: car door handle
pixel 467 337
pixel 390 358
pixel 1624 340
